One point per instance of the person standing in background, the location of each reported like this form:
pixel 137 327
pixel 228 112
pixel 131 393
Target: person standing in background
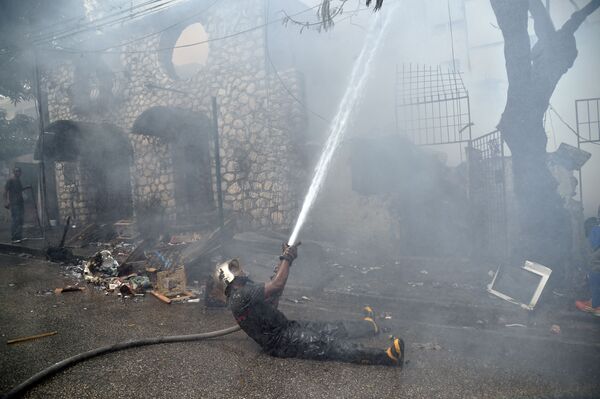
pixel 592 233
pixel 13 200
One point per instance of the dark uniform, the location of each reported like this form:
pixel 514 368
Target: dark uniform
pixel 14 189
pixel 280 337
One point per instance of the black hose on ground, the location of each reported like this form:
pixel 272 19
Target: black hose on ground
pixel 63 364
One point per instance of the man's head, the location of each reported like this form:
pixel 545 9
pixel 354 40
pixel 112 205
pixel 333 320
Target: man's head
pixel 225 273
pixel 17 171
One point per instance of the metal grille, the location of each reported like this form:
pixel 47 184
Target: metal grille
pixel 587 113
pixel 587 119
pixel 432 106
pixel 488 195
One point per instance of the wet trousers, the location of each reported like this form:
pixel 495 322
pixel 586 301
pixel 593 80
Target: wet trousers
pixel 328 341
pixel 17 213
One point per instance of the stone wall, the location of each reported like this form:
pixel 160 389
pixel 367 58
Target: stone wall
pixel 152 174
pixel 260 124
pixel 76 197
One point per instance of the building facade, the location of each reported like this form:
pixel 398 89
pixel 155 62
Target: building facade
pixel 168 126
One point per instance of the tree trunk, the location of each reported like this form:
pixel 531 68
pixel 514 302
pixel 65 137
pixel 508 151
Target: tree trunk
pixel 545 232
pixel 545 228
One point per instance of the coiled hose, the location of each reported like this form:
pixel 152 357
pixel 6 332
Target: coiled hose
pixel 68 362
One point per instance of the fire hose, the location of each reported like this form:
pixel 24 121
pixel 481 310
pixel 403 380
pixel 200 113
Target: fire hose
pixel 20 389
pixel 68 362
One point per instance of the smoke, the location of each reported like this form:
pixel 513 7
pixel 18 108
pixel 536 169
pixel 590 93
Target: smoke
pixel 356 84
pixel 380 217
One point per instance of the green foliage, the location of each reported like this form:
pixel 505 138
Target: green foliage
pixel 17 136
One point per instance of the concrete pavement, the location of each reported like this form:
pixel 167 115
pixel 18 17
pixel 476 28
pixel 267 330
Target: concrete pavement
pixel 449 357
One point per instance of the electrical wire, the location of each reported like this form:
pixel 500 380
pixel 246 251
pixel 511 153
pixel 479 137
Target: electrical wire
pixel 552 127
pixel 231 35
pixel 142 13
pixel 82 20
pixel 45 30
pixel 285 87
pixel 292 95
pixel 94 24
pixel 89 27
pixel 569 126
pixel 274 68
pixel 195 15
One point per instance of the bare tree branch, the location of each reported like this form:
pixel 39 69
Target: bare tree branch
pixel 542 23
pixel 579 16
pixel 378 4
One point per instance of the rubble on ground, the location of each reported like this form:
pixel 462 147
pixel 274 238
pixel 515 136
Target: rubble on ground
pixel 129 265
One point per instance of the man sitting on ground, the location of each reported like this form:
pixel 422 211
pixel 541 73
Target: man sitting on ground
pixel 254 307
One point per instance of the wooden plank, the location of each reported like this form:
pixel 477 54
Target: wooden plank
pixel 68 288
pixel 161 297
pixel 16 340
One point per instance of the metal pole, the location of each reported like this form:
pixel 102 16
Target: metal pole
pixel 579 147
pixel 38 93
pixel 217 161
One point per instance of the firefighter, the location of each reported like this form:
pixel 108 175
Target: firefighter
pixel 254 307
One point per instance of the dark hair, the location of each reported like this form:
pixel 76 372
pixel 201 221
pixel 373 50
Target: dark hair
pixel 16 168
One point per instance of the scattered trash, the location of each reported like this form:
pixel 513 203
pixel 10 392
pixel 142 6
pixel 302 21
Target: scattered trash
pixel 171 282
pixel 515 325
pixel 424 272
pixel 32 337
pixel 69 288
pixel 415 284
pixel 557 293
pixel 129 266
pixel 125 290
pixel 139 283
pixel 11 284
pixel 555 329
pixel 194 300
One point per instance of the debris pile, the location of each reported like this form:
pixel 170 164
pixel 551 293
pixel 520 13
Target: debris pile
pixel 131 266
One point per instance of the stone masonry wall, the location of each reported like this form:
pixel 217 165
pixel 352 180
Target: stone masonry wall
pixel 77 193
pixel 260 125
pixel 152 173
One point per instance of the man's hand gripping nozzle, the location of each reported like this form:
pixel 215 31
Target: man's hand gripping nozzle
pixel 289 252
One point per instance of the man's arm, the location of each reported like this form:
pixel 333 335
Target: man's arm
pixel 276 285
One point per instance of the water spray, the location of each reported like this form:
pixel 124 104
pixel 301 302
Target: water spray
pixel 338 126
